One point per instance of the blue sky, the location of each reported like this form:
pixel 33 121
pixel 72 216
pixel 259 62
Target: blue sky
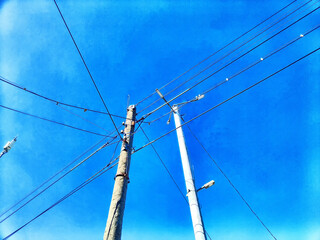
pixel 266 140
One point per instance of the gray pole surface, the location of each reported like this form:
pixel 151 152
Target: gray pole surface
pixel 196 217
pixel 116 211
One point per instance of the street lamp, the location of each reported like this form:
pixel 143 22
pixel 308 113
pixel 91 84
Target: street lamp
pixel 207 185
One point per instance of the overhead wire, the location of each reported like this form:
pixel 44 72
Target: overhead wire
pixel 246 68
pixel 210 75
pixel 290 43
pixel 277 21
pixel 219 50
pixel 151 142
pixel 58 179
pixel 85 64
pixel 166 114
pixel 141 128
pixel 281 25
pixel 165 167
pixel 260 60
pixel 79 187
pixel 52 121
pixel 230 182
pixel 169 173
pixel 53 176
pixel 148 140
pixel 241 196
pixel 230 98
pixel 242 44
pixel 77 115
pixel 85 109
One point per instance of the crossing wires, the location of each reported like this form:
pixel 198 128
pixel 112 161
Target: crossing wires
pixel 232 97
pixel 85 64
pixel 108 167
pixel 53 183
pixel 85 109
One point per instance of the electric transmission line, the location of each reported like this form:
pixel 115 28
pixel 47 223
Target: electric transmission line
pixel 85 109
pixel 52 121
pixel 212 74
pixel 57 180
pixel 222 48
pixel 276 22
pixel 230 98
pixel 84 62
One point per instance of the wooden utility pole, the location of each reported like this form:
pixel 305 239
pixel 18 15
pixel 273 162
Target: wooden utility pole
pixel 114 222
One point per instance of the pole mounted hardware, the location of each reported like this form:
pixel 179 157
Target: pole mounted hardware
pixel 116 211
pixel 8 146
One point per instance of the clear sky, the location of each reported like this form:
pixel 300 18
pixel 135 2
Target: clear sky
pixel 266 140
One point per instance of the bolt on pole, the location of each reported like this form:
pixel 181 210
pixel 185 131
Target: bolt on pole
pixel 196 217
pixel 116 211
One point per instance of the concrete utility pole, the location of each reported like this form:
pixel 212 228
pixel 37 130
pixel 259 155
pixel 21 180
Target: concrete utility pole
pixel 191 190
pixel 114 222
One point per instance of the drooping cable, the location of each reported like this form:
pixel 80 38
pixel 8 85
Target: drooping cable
pixel 91 77
pixel 58 179
pixel 2 79
pixel 230 98
pixel 209 76
pixel 219 50
pixel 77 115
pixel 52 121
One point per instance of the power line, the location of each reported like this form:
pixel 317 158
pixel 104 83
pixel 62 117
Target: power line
pixel 164 165
pixel 77 115
pixel 53 176
pixel 2 79
pixel 207 77
pixel 58 179
pixel 231 62
pixel 169 173
pixel 232 185
pixel 234 40
pixel 207 234
pixel 151 142
pixel 226 55
pixel 230 98
pixel 94 83
pixel 261 59
pixel 247 68
pixel 82 185
pixel 52 121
